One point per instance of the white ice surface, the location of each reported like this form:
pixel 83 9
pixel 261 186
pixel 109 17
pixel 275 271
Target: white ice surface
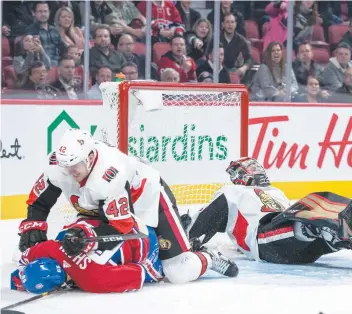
pixel 259 289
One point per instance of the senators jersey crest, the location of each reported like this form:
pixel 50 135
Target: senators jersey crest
pixel 269 203
pixel 87 212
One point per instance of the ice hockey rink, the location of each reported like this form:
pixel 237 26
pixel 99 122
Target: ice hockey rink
pixel 260 288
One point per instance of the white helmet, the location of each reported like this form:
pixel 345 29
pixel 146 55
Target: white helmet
pixel 75 146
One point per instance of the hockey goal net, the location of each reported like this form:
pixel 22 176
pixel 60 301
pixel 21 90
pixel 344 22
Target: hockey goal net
pixel 189 132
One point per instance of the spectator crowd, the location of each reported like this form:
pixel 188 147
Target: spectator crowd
pixel 43 47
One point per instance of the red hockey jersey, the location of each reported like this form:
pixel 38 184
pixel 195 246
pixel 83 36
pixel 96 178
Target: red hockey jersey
pixel 164 16
pixel 88 274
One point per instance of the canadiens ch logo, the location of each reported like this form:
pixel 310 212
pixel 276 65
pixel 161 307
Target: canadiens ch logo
pixel 110 174
pixel 74 201
pixel 164 244
pixel 269 203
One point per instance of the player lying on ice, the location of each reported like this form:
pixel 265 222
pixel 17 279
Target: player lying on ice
pixel 105 185
pixel 126 267
pixel 318 224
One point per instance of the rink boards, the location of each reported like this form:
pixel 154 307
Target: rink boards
pixel 305 148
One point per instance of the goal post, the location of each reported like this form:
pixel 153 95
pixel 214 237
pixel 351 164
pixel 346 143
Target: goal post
pixel 188 131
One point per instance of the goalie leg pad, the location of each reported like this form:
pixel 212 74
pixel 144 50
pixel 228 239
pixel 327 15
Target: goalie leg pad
pixel 279 245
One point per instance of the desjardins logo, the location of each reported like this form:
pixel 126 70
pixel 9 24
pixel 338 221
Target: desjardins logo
pixel 189 146
pixel 186 147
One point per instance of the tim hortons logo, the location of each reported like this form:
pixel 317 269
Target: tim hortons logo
pixel 275 154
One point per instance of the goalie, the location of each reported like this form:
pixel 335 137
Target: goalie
pixel 318 224
pixel 107 186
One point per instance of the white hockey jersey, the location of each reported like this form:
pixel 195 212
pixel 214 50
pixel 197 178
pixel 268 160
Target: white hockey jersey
pixel 246 206
pixel 112 176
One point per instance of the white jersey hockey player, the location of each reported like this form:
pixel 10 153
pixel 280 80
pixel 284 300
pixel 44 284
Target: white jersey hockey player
pixel 316 225
pixel 107 186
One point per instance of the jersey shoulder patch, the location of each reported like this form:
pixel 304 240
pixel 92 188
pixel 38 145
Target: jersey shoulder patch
pixel 270 204
pixel 52 159
pixel 110 174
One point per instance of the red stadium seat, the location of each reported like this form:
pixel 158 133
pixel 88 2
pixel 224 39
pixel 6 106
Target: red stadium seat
pixel 320 55
pixel 336 33
pixel 9 76
pixel 79 74
pixel 256 54
pixel 318 33
pixel 159 49
pixel 6 53
pixel 6 61
pixel 5 45
pixel 251 29
pixel 318 38
pixel 252 34
pixel 52 75
pixel 139 48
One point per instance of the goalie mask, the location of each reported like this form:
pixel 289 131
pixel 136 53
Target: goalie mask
pixel 247 171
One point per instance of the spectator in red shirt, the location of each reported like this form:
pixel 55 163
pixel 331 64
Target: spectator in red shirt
pixel 166 20
pixel 177 60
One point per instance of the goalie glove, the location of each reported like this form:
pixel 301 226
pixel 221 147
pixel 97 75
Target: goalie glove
pixel 74 241
pixel 32 232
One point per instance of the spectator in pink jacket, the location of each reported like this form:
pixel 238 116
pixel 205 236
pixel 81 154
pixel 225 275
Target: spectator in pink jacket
pixel 277 30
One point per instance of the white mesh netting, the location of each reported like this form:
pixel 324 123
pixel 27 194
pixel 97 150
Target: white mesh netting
pixel 187 132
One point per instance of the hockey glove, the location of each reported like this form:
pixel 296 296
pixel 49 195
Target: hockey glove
pixel 32 232
pixel 74 241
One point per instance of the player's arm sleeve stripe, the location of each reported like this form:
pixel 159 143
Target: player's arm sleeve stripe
pixel 40 208
pixel 128 189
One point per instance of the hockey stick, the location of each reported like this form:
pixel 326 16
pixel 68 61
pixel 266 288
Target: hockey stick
pixel 6 309
pixel 113 238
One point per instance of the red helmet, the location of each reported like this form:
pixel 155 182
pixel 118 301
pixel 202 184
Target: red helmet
pixel 247 171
